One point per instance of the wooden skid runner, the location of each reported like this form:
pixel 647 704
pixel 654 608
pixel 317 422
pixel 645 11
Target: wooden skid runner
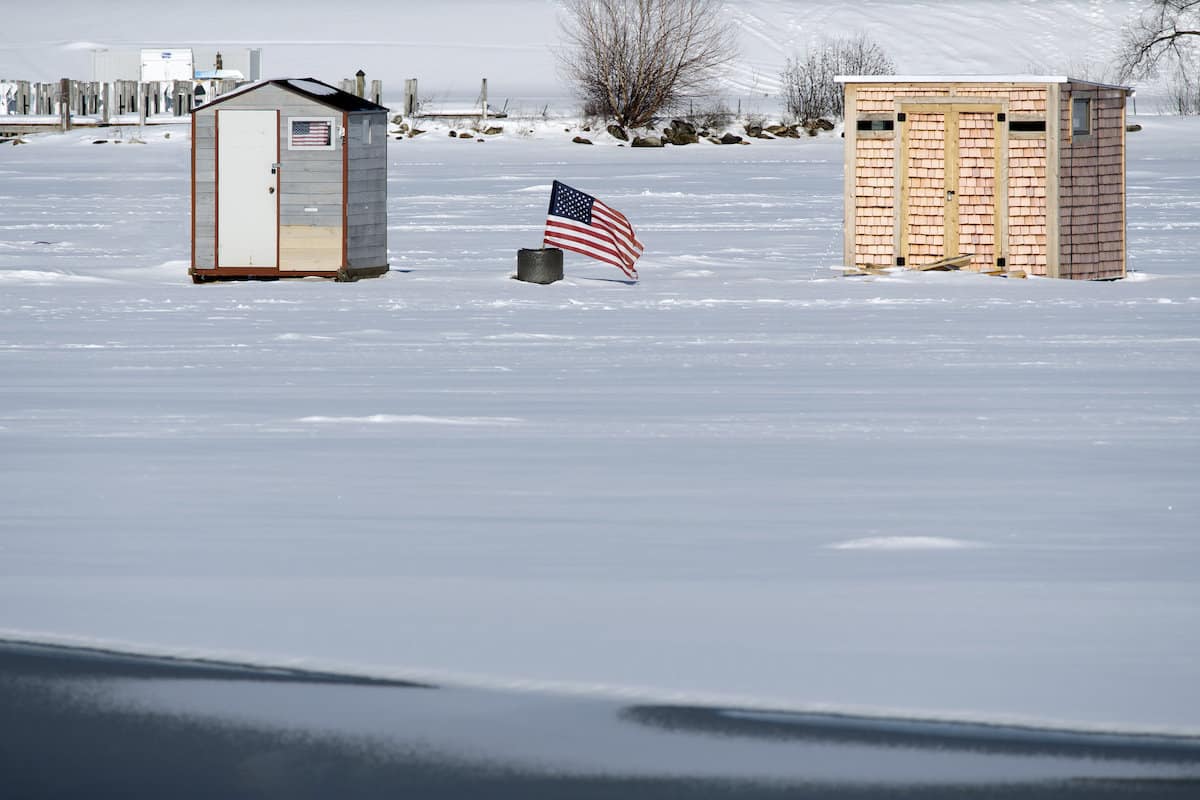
pixel 941 265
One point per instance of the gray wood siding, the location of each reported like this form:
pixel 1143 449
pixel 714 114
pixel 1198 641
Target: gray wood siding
pixel 204 147
pixel 307 178
pixel 366 213
pixel 326 214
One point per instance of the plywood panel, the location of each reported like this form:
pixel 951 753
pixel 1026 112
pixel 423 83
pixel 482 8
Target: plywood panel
pixel 304 247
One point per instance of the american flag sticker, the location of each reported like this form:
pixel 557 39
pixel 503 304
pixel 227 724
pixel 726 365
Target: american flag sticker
pixel 312 133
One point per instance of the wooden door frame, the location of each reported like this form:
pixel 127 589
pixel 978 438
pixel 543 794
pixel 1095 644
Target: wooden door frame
pixel 950 108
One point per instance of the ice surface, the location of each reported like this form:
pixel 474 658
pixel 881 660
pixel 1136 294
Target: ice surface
pixel 743 479
pixel 903 543
pixel 594 486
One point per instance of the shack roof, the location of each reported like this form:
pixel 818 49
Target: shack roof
pixel 311 88
pixel 1024 79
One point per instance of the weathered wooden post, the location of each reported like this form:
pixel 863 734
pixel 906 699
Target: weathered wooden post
pixel 483 96
pixel 410 97
pixel 179 98
pixel 105 103
pixel 23 97
pixel 377 92
pixel 64 103
pixel 360 83
pixel 143 101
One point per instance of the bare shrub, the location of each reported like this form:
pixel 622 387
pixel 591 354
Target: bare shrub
pixel 713 116
pixel 630 59
pixel 592 108
pixel 809 88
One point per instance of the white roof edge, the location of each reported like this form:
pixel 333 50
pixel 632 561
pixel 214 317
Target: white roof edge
pixel 973 79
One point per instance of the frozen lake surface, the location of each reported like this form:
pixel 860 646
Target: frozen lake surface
pixel 743 480
pixel 148 727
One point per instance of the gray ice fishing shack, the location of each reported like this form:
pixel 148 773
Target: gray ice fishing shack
pixel 289 178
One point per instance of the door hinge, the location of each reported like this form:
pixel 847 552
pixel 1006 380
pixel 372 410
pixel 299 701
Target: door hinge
pixel 901 117
pixel 1000 262
pixel 899 261
pixel 1000 117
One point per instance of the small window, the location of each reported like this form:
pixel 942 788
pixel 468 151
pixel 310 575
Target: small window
pixel 366 130
pixel 1027 125
pixel 876 125
pixel 310 133
pixel 1081 116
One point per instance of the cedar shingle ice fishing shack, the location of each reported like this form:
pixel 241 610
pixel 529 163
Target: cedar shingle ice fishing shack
pixel 1015 174
pixel 289 178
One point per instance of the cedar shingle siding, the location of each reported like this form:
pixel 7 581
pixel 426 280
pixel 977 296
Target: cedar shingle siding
pixel 1091 207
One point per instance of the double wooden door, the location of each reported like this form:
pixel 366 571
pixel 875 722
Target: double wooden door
pixel 951 179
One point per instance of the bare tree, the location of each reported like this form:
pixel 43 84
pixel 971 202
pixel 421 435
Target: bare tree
pixel 809 88
pixel 1183 87
pixel 1167 30
pixel 631 59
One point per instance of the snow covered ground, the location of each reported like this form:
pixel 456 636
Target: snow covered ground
pixel 743 479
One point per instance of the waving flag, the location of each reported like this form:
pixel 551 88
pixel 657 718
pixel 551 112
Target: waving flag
pixel 582 224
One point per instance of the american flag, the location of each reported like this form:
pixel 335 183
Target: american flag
pixel 582 224
pixel 310 133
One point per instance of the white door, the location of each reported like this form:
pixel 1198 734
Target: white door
pixel 247 206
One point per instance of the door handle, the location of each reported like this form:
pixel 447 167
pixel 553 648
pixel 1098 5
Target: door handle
pixel 270 190
pixel 949 195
